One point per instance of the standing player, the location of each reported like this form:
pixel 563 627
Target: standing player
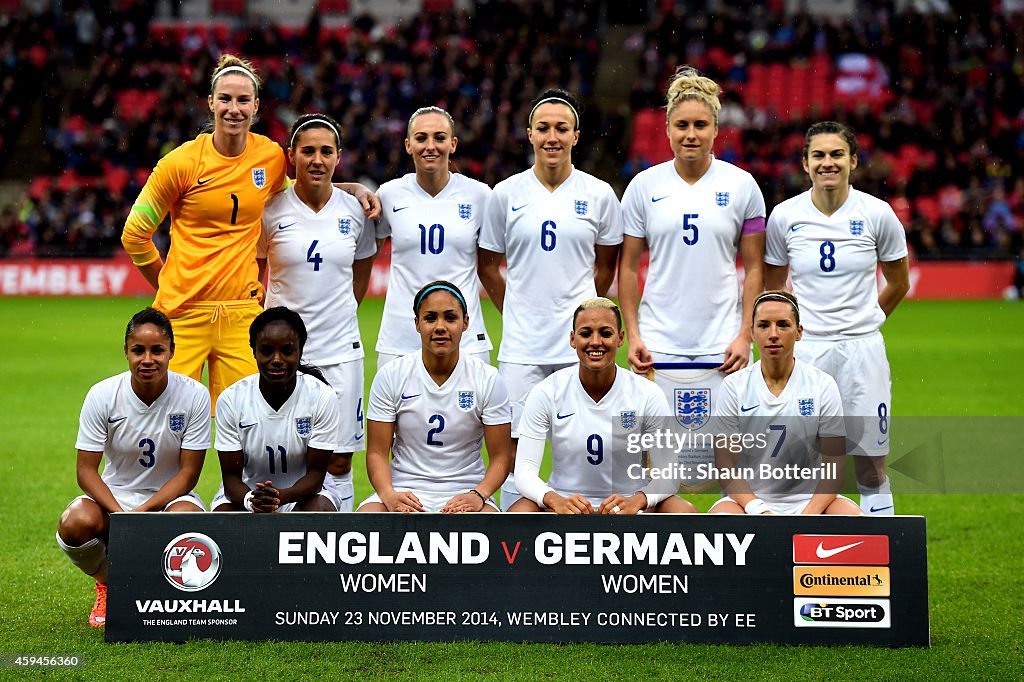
pixel 559 230
pixel 694 213
pixel 585 411
pixel 320 251
pixel 152 428
pixel 433 218
pixel 833 238
pixel 214 188
pixel 433 410
pixel 276 430
pixel 798 405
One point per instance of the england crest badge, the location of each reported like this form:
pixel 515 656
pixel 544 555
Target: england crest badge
pixel 628 419
pixel 856 227
pixel 466 400
pixel 722 199
pixel 304 426
pixel 581 207
pixel 692 407
pixel 465 211
pixel 806 406
pixel 259 177
pixel 344 225
pixel 176 422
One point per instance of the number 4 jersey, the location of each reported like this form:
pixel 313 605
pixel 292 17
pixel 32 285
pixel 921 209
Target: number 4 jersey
pixel 274 442
pixel 142 443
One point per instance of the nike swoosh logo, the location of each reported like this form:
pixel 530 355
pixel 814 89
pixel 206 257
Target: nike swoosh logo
pixel 114 420
pixel 823 553
pixel 797 227
pixel 203 182
pixel 407 397
pixel 359 437
pixel 655 200
pixel 748 409
pixel 516 208
pixel 875 510
pixel 246 426
pixel 564 416
pixel 395 209
pixel 284 227
pixel 882 442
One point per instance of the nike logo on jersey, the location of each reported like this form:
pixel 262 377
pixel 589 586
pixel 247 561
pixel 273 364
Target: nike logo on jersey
pixel 564 416
pixel 407 397
pixel 655 200
pixel 748 409
pixel 285 227
pixel 823 553
pixel 114 420
pixel 359 437
pixel 882 441
pixel 246 426
pixel 203 182
pixel 518 208
pixel 395 209
pixel 875 510
pixel 797 227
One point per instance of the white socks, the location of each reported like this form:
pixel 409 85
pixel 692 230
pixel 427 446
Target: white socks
pixel 346 491
pixel 90 557
pixel 877 501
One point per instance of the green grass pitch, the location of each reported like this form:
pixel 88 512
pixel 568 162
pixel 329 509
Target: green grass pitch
pixel 948 358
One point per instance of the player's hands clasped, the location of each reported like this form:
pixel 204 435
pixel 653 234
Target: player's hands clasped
pixel 619 504
pixel 574 504
pixel 402 501
pixel 463 502
pixel 265 498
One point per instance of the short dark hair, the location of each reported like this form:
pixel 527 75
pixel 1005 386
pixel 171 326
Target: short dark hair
pixel 438 285
pixel 556 94
pixel 780 296
pixel 149 316
pixel 831 128
pixel 293 320
pixel 308 121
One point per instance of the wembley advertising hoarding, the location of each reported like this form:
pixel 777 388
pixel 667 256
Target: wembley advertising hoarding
pixel 519 577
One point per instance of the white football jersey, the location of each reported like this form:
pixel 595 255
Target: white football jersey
pixel 691 303
pixel 792 423
pixel 549 240
pixel 432 238
pixel 833 260
pixel 274 443
pixel 439 430
pixel 588 455
pixel 309 257
pixel 142 444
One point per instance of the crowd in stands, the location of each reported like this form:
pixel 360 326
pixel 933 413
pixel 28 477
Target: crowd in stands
pixel 940 116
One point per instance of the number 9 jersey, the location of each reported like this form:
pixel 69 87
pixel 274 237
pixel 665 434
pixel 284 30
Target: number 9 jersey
pixel 274 442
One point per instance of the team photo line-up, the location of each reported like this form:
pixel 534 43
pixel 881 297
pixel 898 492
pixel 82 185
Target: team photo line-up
pixel 285 360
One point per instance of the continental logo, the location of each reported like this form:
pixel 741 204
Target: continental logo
pixel 842 581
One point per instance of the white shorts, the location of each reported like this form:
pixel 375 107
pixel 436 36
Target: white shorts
pixel 346 378
pixel 861 370
pixel 519 379
pixel 431 501
pixel 130 499
pixel 783 504
pixel 385 358
pixel 690 394
pixel 328 492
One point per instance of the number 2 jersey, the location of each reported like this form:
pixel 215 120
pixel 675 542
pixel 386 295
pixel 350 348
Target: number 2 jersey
pixel 439 430
pixel 310 255
pixel 834 260
pixel 142 444
pixel 791 424
pixel 432 238
pixel 550 243
pixel 691 303
pixel 274 442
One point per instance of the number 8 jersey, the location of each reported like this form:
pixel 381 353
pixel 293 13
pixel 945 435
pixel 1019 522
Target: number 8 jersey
pixel 274 442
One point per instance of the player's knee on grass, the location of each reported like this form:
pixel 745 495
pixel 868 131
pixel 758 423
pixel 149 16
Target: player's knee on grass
pixel 675 505
pixel 316 503
pixel 183 506
pixel 229 507
pixel 82 521
pixel 525 505
pixel 844 507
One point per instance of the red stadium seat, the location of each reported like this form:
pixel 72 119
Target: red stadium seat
pixel 928 208
pixel 333 6
pixel 649 143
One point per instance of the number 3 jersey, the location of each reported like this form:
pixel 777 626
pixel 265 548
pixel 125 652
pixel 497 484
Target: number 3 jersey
pixel 550 242
pixel 310 256
pixel 432 238
pixel 142 444
pixel 587 453
pixel 439 430
pixel 834 260
pixel 789 425
pixel 274 442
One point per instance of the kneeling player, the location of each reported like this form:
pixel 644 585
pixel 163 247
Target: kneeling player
pixel 276 430
pixel 795 403
pixel 577 409
pixel 152 427
pixel 433 409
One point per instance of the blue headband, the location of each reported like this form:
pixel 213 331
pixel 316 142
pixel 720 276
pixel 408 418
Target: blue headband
pixel 439 287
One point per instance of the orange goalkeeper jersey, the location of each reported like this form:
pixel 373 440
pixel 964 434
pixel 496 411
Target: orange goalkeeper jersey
pixel 216 203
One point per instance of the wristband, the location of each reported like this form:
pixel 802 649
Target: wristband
pixel 247 501
pixel 756 506
pixel 480 495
